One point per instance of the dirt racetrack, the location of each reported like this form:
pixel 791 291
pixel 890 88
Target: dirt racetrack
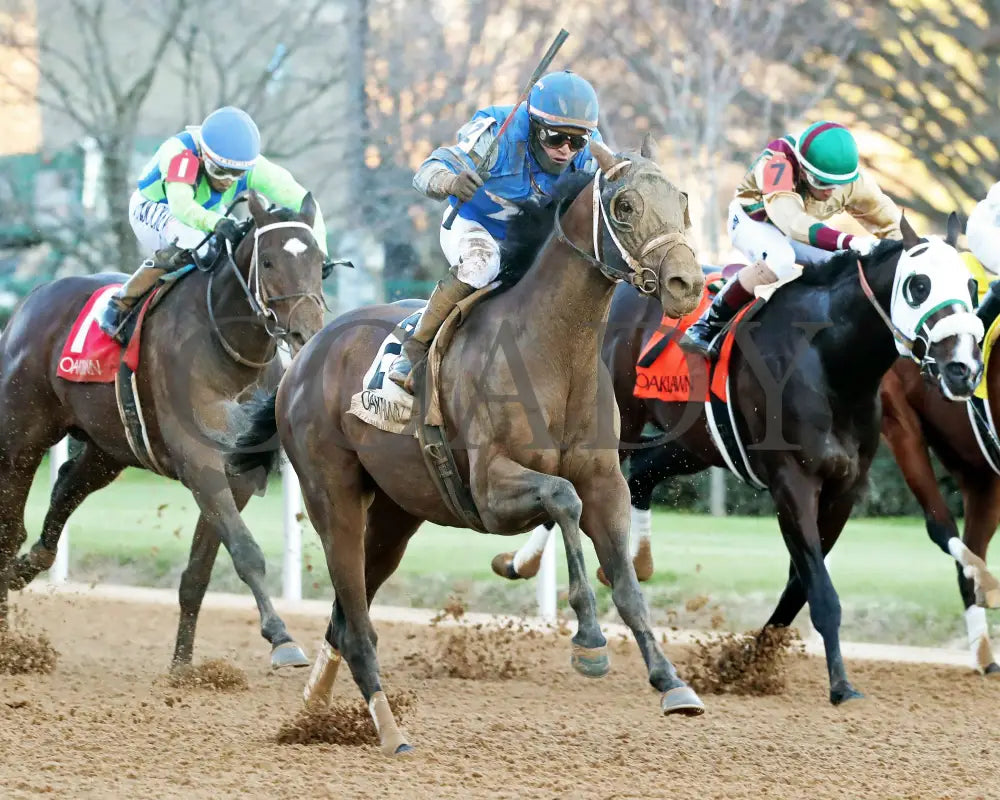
pixel 107 723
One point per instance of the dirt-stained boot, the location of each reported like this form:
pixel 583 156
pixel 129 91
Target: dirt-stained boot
pixel 447 294
pixel 141 281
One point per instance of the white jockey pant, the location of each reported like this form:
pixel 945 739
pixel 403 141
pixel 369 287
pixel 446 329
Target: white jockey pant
pixel 762 241
pixel 155 227
pixel 472 252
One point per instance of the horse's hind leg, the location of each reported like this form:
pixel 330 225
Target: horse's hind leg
pixel 194 584
pixel 337 503
pixel 514 491
pixel 89 470
pixel 982 514
pixel 16 474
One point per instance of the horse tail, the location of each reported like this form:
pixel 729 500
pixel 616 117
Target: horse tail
pixel 257 445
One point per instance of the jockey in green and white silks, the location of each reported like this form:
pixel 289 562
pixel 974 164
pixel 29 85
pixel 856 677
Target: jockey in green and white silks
pixel 183 190
pixel 777 218
pixel 549 135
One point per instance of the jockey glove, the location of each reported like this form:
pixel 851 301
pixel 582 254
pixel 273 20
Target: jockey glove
pixel 465 185
pixel 226 228
pixel 862 245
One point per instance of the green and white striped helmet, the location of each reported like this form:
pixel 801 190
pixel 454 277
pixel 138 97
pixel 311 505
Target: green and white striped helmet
pixel 828 154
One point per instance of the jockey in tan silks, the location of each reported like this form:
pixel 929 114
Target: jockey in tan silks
pixel 777 218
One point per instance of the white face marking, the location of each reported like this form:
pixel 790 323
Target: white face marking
pixel 295 246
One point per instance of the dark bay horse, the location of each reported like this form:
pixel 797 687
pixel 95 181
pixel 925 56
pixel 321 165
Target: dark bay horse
pixel 917 418
pixel 805 376
pixel 550 454
pixel 201 347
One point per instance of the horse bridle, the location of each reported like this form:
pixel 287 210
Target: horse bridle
pixel 926 334
pixel 258 298
pixel 645 279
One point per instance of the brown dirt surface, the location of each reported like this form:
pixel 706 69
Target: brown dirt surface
pixel 104 724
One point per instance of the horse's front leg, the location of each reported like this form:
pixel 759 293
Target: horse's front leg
pixel 214 496
pixel 797 499
pixel 606 521
pixel 513 492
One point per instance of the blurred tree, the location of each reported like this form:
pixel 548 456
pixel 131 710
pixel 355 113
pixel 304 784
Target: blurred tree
pixel 718 78
pixel 98 85
pixel 925 76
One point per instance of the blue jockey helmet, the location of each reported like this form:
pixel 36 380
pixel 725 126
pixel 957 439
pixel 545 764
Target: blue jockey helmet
pixel 229 138
pixel 563 100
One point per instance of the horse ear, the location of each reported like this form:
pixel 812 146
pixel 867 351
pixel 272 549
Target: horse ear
pixel 951 237
pixel 648 148
pixel 307 212
pixel 256 207
pixel 910 238
pixel 603 156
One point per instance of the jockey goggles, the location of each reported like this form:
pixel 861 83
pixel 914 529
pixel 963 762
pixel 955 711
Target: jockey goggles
pixel 221 173
pixel 817 184
pixel 556 139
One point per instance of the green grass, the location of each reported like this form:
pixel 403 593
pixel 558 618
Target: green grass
pixel 893 583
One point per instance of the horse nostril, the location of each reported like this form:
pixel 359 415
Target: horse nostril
pixel 957 370
pixel 679 286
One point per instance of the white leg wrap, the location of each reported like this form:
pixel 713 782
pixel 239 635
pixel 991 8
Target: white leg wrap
pixel 641 528
pixel 532 549
pixel 979 639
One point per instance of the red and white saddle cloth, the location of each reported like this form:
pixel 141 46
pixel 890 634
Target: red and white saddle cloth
pixel 89 354
pixel 665 372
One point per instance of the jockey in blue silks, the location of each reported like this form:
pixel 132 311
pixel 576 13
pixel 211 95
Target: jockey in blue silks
pixel 548 136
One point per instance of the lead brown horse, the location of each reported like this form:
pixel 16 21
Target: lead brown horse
pixel 804 378
pixel 538 424
pixel 213 338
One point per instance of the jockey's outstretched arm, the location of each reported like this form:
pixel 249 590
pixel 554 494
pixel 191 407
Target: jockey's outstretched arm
pixel 280 187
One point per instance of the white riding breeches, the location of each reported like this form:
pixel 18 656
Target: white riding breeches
pixel 155 227
pixel 471 251
pixel 762 241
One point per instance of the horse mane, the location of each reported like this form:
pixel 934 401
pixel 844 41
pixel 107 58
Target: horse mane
pixel 846 263
pixel 531 226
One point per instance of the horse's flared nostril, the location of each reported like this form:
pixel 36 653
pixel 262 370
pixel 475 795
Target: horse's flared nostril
pixel 957 371
pixel 679 287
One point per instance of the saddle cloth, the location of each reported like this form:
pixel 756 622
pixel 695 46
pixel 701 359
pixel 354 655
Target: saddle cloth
pixel 89 355
pixel 381 402
pixel 664 372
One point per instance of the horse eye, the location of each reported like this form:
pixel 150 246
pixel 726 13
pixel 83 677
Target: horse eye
pixel 267 263
pixel 916 289
pixel 624 207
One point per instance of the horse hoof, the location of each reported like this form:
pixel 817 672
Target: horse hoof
pixel 602 577
pixel 593 662
pixel 643 562
pixel 403 749
pixel 288 654
pixel 841 694
pixel 992 670
pixel 682 700
pixel 503 565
